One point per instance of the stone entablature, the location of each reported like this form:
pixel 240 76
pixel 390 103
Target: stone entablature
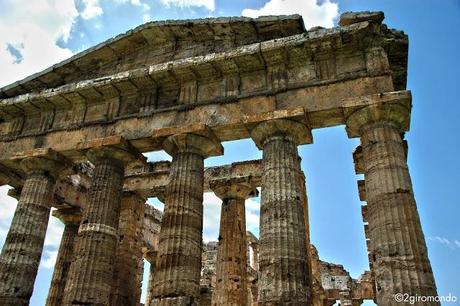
pixel 75 134
pixel 308 70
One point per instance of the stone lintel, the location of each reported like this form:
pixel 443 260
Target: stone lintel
pixel 151 182
pixel 231 119
pixel 9 176
pixel 42 159
pixel 396 112
pixel 198 138
pixel 348 18
pixel 114 147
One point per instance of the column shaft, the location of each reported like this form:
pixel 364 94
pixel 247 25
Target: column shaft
pixel 231 267
pixel 129 265
pixel 23 246
pixel 283 265
pixel 62 265
pixel 91 273
pixel 401 263
pixel 178 264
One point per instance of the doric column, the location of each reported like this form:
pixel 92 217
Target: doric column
pixel 129 264
pixel 400 258
pixel 231 266
pixel 91 273
pixel 23 246
pixel 150 256
pixel 283 262
pixel 71 219
pixel 178 264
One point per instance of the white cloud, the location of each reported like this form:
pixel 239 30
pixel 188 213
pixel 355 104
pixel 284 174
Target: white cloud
pixel 211 216
pixel 457 243
pixel 313 14
pixel 157 156
pixel 146 18
pixel 49 259
pixel 54 233
pixel 445 242
pixel 29 32
pixel 208 4
pixel 92 9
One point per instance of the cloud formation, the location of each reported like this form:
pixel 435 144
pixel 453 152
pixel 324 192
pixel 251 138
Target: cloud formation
pixel 29 36
pixel 208 4
pixel 313 13
pixel 451 244
pixel 92 9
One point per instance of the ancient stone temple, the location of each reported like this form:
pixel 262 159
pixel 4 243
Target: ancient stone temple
pixel 72 138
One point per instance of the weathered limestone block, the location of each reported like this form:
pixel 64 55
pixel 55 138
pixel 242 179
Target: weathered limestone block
pixel 23 246
pixel 91 273
pixel 178 264
pixel 400 257
pixel 71 218
pixel 231 268
pixel 283 260
pixel 348 18
pixel 129 265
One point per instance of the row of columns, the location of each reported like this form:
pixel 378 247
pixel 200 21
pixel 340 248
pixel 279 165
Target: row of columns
pixel 401 263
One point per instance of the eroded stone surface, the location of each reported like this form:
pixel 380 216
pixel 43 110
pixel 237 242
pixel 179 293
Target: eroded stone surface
pixel 397 244
pixel 187 86
pixel 71 219
pixel 283 262
pixel 231 267
pixel 90 277
pixel 22 251
pixel 178 264
pixel 129 264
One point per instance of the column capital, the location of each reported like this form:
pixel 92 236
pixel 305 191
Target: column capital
pixel 236 188
pixel 113 147
pixel 396 114
pixel 68 215
pixel 205 144
pixel 42 160
pixel 150 255
pixel 281 127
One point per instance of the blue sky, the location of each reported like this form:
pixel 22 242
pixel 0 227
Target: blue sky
pixel 35 34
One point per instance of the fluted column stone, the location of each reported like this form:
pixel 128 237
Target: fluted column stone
pixel 231 266
pixel 283 260
pixel 129 264
pixel 22 251
pixel 71 218
pixel 91 273
pixel 400 257
pixel 178 265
